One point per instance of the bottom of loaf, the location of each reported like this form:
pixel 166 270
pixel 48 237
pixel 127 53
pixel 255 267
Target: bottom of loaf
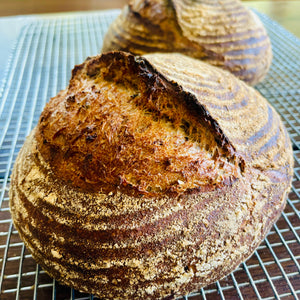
pixel 162 248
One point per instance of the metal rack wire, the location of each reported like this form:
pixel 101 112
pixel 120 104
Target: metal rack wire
pixel 40 65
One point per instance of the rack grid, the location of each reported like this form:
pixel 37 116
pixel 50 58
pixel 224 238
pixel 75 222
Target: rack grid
pixel 40 65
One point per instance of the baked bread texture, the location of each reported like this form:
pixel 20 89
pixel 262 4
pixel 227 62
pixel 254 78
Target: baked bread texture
pixel 223 33
pixel 149 177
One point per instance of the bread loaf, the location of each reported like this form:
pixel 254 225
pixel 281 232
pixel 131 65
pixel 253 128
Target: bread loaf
pixel 149 177
pixel 223 33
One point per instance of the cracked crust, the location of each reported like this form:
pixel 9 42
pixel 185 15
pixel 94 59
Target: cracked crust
pixel 157 233
pixel 223 33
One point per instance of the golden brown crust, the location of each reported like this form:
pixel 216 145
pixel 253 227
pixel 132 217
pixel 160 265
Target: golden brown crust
pixel 223 33
pixel 117 243
pixel 152 137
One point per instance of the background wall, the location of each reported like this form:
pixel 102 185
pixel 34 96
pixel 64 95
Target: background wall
pixel 285 12
pixel 16 7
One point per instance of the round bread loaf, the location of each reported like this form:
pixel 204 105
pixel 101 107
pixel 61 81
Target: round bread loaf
pixel 223 33
pixel 149 177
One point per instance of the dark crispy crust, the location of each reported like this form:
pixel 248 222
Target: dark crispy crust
pixel 224 34
pixel 156 239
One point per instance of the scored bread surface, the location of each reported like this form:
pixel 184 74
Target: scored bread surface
pixel 149 177
pixel 223 33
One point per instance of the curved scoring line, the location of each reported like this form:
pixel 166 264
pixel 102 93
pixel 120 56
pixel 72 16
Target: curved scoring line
pixel 270 143
pixel 199 86
pixel 233 106
pixel 186 6
pixel 219 20
pixel 73 212
pixel 158 231
pixel 247 52
pixel 262 132
pixel 179 73
pixel 191 80
pixel 236 48
pixel 136 38
pixel 246 37
pixel 137 45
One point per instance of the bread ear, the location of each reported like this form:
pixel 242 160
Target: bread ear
pixel 249 122
pixel 119 113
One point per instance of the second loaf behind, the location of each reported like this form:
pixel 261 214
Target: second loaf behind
pixel 223 33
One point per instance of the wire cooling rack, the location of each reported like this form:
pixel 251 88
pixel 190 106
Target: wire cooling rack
pixel 40 65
